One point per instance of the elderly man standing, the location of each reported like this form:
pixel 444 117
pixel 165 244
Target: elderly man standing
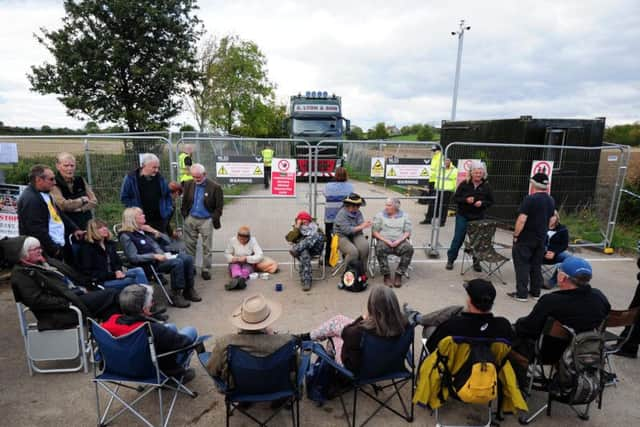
pixel 202 203
pixel 40 217
pixel 392 228
pixel 529 237
pixel 145 188
pixel 72 193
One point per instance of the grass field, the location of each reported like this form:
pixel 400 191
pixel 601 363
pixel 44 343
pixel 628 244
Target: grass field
pixel 412 137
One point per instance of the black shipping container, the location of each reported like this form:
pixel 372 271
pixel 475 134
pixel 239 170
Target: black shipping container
pixel 575 172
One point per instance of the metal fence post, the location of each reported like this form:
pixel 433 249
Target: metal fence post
pixel 617 194
pixel 87 161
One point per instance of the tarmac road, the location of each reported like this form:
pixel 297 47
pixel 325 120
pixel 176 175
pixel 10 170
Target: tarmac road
pixel 69 399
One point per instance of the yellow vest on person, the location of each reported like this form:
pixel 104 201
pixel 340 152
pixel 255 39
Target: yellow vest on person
pixel 435 166
pixel 183 168
pixel 448 182
pixel 267 155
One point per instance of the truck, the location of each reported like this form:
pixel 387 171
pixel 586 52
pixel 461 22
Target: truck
pixel 314 117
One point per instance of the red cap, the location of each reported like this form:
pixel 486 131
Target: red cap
pixel 304 215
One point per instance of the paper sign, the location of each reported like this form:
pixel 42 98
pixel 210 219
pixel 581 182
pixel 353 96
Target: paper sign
pixel 9 152
pixel 283 177
pixel 9 195
pixel 407 171
pixel 239 169
pixel 541 166
pixel 377 167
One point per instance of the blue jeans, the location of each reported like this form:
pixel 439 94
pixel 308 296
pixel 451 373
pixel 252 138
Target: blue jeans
pixel 192 334
pixel 458 238
pixel 181 269
pixel 132 276
pixel 553 280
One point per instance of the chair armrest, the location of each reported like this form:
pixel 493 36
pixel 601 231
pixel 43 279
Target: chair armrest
pixel 319 350
pixel 305 361
pixel 197 344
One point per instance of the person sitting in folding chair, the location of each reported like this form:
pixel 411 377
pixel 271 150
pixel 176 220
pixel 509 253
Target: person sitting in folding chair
pixel 253 318
pixel 48 290
pixel 349 225
pixel 392 229
pixel 140 246
pixel 135 304
pixel 307 241
pixel 556 246
pixel 383 318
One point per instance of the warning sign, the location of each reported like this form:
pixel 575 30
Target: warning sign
pixel 407 171
pixel 464 167
pixel 239 169
pixel 9 195
pixel 283 177
pixel 377 167
pixel 541 166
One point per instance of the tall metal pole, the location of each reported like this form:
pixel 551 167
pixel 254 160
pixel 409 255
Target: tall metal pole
pixel 460 34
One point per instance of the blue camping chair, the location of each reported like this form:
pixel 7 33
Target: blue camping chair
pixel 130 361
pixel 386 363
pixel 252 379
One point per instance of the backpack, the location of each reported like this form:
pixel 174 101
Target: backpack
pixel 319 380
pixel 354 279
pixel 578 378
pixel 477 379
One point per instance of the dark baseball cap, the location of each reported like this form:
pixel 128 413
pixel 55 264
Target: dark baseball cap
pixel 481 292
pixel 540 180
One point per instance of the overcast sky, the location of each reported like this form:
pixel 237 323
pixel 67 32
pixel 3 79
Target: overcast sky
pixel 394 61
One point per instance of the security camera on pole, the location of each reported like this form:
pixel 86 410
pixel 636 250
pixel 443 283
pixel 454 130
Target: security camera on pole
pixel 460 34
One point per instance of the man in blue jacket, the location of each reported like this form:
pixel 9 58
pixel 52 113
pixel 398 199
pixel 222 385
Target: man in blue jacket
pixel 147 189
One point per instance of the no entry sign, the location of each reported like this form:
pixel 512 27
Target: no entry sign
pixel 541 166
pixel 283 177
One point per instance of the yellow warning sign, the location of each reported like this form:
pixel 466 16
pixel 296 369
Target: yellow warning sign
pixel 392 172
pixel 257 171
pixel 424 172
pixel 377 166
pixel 222 171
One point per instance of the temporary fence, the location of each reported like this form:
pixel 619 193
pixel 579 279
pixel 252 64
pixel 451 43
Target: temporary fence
pixel 582 178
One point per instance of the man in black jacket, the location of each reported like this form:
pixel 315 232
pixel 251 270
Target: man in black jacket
pixel 48 291
pixel 202 203
pixel 40 217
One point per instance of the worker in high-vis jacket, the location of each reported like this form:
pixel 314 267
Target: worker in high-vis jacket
pixel 267 156
pixel 445 187
pixel 185 161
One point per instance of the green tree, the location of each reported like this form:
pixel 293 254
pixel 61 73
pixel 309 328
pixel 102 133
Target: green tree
pixel 187 128
pixel 236 86
pixel 263 120
pixel 628 134
pixel 425 133
pixel 121 61
pixel 92 127
pixel 357 134
pixel 378 132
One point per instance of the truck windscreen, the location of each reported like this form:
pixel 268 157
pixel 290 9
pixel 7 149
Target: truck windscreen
pixel 314 127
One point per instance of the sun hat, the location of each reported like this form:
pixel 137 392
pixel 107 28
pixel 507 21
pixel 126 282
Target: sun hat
pixel 256 312
pixel 354 199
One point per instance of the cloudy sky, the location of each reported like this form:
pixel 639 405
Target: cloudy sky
pixel 394 61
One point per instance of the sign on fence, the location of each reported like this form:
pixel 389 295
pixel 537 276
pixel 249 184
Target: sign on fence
pixel 9 195
pixel 239 169
pixel 464 167
pixel 407 171
pixel 9 152
pixel 283 177
pixel 541 166
pixel 377 167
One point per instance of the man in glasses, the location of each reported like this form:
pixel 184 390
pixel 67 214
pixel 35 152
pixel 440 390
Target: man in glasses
pixel 40 217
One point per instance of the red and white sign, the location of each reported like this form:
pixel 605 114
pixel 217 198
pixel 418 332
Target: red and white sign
pixel 283 177
pixel 464 167
pixel 541 166
pixel 9 195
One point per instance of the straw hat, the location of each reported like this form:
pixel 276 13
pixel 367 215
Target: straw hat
pixel 255 313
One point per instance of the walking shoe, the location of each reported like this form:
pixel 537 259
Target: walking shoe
pixel 206 275
pixel 425 221
pixel 306 286
pixel 387 281
pixel 449 265
pixel 178 299
pixel 397 280
pixel 192 295
pixel 515 296
pixel 534 297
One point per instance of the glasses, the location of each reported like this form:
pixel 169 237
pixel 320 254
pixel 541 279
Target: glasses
pixel 37 248
pixel 245 236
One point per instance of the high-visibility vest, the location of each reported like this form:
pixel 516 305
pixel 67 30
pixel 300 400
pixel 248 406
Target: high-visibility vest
pixel 267 155
pixel 448 183
pixel 183 166
pixel 435 166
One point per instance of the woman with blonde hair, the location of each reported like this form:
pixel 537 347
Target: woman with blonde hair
pixel 141 245
pixel 99 260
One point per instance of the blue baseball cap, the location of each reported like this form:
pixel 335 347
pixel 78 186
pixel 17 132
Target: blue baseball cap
pixel 574 265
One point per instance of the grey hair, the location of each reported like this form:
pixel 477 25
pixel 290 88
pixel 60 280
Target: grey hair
pixel 148 158
pixel 394 201
pixel 135 298
pixel 29 243
pixel 197 167
pixel 478 164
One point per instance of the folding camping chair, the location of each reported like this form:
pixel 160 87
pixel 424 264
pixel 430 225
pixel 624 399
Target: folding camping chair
pixel 253 379
pixel 613 342
pixel 373 267
pixel 386 363
pixel 319 259
pixel 479 244
pixel 131 362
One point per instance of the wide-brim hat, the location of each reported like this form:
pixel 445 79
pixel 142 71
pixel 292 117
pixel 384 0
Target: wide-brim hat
pixel 354 199
pixel 256 312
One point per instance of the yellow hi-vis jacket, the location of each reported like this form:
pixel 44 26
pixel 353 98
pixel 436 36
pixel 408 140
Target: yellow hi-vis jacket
pixel 434 167
pixel 183 167
pixel 267 155
pixel 448 182
pixel 429 383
